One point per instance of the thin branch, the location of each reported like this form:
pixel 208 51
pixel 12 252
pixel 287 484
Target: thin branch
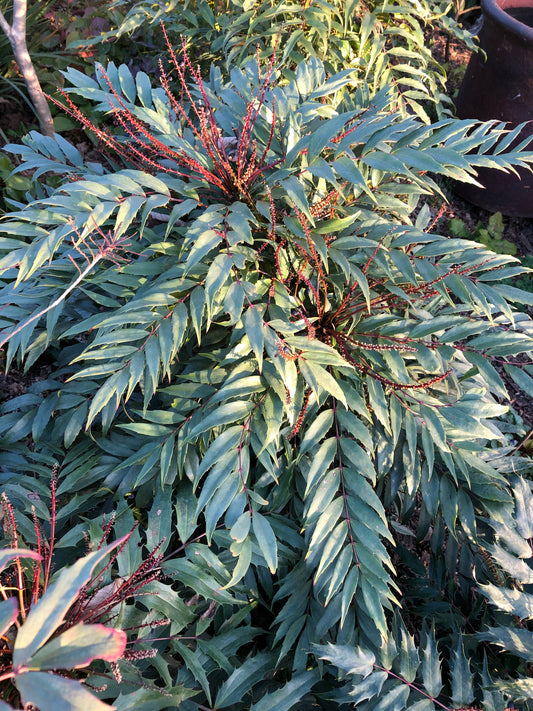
pixel 16 34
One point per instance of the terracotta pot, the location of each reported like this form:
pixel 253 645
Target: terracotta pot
pixel 501 87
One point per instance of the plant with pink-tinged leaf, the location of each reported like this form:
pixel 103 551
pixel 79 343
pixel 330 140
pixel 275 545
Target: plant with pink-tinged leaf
pixel 53 627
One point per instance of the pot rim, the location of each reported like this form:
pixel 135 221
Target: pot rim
pixel 496 9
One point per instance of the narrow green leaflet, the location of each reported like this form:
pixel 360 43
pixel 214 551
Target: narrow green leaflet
pixel 253 323
pixel 218 273
pixel 516 641
pixel 321 462
pixel 243 551
pixel 197 306
pixel 153 700
pixel 240 529
pixel 369 687
pixel 513 601
pixel 291 693
pixel 316 430
pixel 266 540
pixel 358 458
pixel 111 389
pixel 326 523
pixel 223 415
pixel 318 377
pixel 203 244
pixel 185 506
pixel 378 401
pixel 225 442
pixel 394 699
pixel 521 377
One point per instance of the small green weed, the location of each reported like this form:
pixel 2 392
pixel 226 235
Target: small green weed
pixel 491 235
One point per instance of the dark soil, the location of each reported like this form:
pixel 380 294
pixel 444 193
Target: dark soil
pixel 15 382
pixel 15 120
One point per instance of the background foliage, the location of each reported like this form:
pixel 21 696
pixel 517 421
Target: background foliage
pixel 259 349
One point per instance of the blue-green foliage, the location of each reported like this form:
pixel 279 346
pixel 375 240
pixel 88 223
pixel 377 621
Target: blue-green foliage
pixel 282 371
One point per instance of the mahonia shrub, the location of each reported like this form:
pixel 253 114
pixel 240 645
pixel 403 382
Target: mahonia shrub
pixel 259 350
pixel 382 44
